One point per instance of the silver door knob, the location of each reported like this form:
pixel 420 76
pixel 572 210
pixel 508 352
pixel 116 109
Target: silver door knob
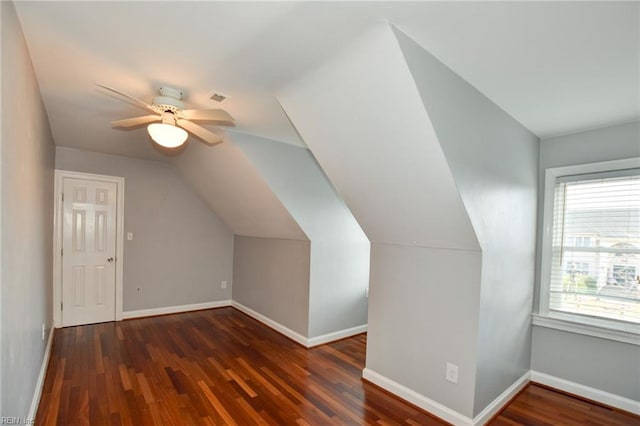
pixel 110 259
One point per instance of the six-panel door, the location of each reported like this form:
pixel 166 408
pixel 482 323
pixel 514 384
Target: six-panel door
pixel 89 252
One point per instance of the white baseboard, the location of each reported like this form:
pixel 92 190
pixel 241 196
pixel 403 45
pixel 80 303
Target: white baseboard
pixel 175 309
pixel 588 392
pixel 417 399
pixel 296 337
pixel 336 335
pixel 497 404
pixel 439 410
pixel 37 393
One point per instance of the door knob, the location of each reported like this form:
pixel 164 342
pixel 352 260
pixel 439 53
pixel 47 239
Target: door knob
pixel 110 259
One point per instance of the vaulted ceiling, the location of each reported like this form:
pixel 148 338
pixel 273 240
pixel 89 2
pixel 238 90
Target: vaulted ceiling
pixel 555 67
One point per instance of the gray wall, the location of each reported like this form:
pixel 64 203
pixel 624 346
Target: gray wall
pixel 423 310
pixel 603 364
pixel 27 222
pixel 339 270
pixel 181 250
pixel 494 161
pixel 382 155
pixel 271 276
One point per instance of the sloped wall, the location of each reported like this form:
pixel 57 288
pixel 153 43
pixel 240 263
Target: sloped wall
pixel 27 225
pixel 339 257
pixel 364 121
pixel 494 161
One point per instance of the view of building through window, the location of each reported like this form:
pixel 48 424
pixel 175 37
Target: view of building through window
pixel 596 247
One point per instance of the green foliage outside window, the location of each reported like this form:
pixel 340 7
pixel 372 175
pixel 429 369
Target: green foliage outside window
pixel 579 283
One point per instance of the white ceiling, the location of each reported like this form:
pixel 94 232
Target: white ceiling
pixel 555 67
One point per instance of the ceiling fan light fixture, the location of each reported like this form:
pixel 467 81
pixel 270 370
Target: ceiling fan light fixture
pixel 167 135
pixel 176 120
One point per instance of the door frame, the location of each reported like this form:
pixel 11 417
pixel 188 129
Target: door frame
pixel 59 176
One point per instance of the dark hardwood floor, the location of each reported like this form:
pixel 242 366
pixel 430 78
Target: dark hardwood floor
pixel 209 367
pixel 221 367
pixel 539 405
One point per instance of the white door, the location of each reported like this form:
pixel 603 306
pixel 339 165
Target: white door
pixel 88 251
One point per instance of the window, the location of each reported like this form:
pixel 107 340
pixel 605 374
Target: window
pixel 575 241
pixel 624 276
pixel 591 246
pixel 577 268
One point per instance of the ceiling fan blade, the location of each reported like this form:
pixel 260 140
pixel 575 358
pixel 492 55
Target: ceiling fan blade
pixel 136 121
pixel 220 116
pixel 137 102
pixel 199 131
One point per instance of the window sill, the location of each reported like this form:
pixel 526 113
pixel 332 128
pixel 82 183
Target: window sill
pixel 583 327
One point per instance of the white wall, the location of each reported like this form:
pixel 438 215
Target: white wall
pixel 599 363
pixel 271 277
pixel 181 250
pixel 365 123
pixel 494 161
pixel 27 221
pixel 339 271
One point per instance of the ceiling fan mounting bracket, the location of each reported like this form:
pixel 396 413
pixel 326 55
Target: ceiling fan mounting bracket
pixel 169 100
pixel 170 92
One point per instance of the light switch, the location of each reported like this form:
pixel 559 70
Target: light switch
pixel 129 236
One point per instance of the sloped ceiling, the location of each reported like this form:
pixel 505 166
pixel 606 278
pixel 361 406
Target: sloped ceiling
pixel 298 180
pixel 228 181
pixel 405 192
pixel 554 66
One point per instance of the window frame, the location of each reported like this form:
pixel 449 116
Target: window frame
pixel 593 326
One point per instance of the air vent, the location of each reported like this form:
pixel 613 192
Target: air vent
pixel 217 96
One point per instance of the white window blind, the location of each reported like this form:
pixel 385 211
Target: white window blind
pixel 595 259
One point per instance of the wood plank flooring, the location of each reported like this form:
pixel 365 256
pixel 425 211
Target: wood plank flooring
pixel 221 367
pixel 208 368
pixel 539 405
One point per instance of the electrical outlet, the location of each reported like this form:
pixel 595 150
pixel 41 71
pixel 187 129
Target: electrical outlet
pixel 452 373
pixel 223 284
pixel 43 331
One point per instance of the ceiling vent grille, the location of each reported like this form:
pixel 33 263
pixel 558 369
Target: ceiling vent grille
pixel 217 96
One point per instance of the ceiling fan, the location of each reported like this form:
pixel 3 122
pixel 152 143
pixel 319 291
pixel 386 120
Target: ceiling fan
pixel 170 121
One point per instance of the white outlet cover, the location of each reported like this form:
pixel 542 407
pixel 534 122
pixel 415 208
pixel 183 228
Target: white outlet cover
pixel 129 236
pixel 452 373
pixel 223 284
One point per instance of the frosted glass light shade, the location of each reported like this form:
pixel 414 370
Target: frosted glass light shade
pixel 167 135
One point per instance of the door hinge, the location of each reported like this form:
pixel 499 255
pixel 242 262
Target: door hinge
pixel 63 196
pixel 61 252
pixel 61 305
